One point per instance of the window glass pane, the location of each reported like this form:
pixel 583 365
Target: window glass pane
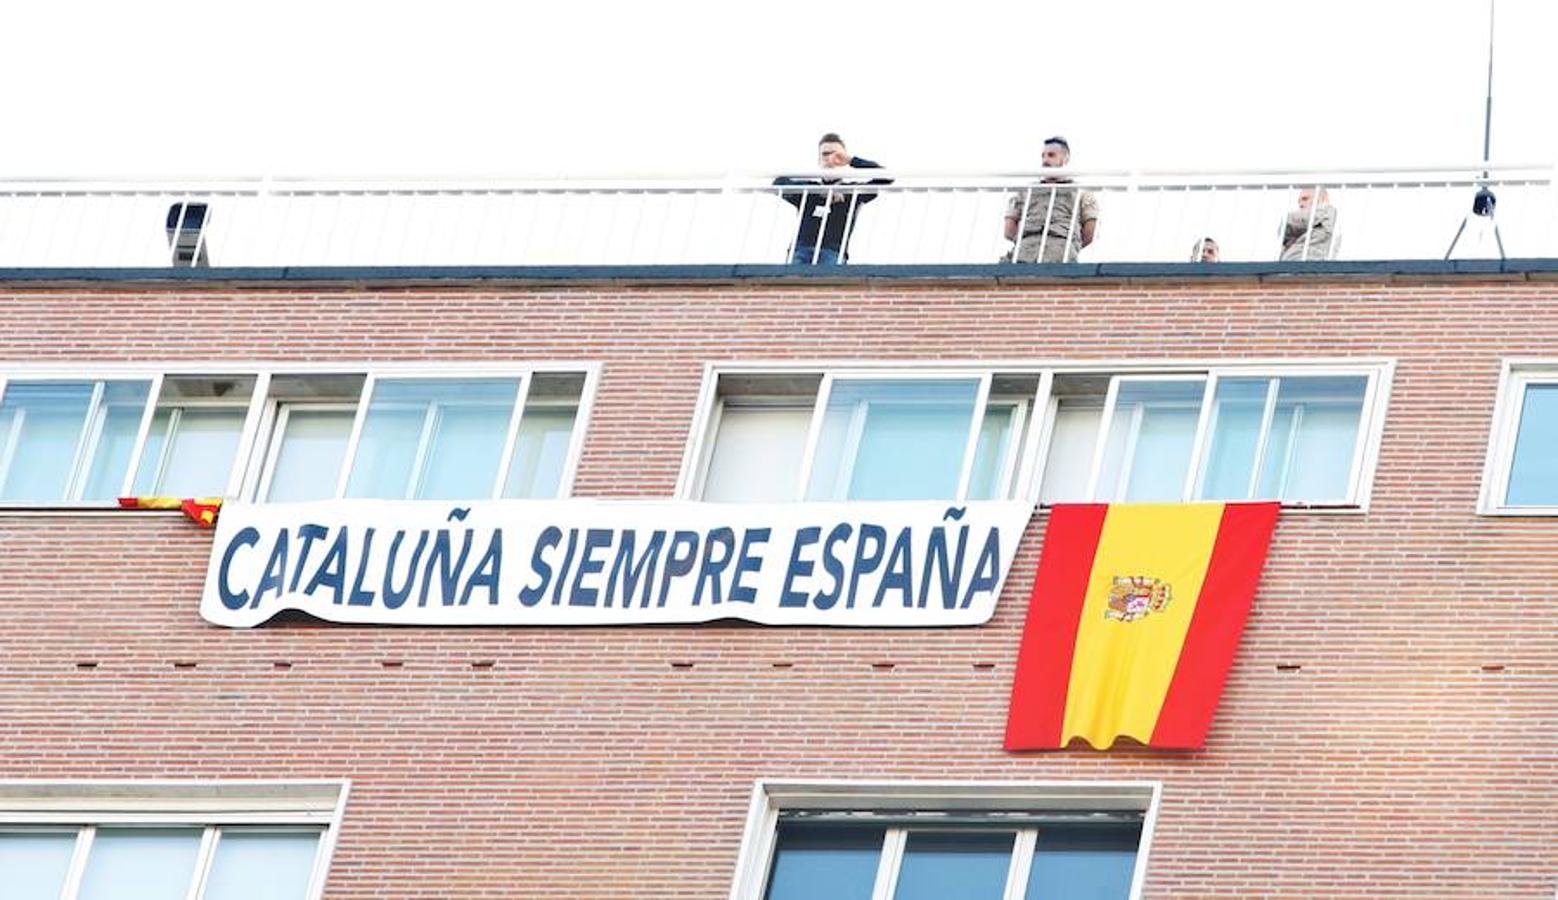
pixel 893 440
pixel 260 865
pixel 757 454
pixel 386 452
pixel 124 403
pixel 190 452
pixel 1314 432
pixel 1147 452
pixel 1085 862
pixel 955 866
pixel 541 452
pixel 1237 411
pixel 1533 473
pixel 34 864
pixel 42 425
pixel 433 438
pixel 152 453
pixel 140 864
pixel 816 861
pixel 466 447
pixel 996 434
pixel 308 460
pixel 201 451
pixel 1070 459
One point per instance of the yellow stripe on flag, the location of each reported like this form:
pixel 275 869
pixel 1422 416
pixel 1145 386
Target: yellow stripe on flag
pixel 1121 670
pixel 151 503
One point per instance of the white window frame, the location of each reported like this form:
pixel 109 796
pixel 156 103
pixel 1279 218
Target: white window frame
pixel 251 461
pixel 85 806
pixel 1008 468
pixel 772 797
pixel 273 425
pixel 429 421
pixel 1111 400
pixel 697 455
pixel 1027 479
pixel 575 437
pixel 1360 476
pixel 716 416
pixel 176 411
pixel 1515 375
pixel 91 434
pixel 851 453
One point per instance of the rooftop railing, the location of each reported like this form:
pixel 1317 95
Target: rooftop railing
pixel 920 218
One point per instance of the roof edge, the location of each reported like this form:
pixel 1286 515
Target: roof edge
pixel 1001 273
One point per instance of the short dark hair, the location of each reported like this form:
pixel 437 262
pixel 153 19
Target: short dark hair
pixel 830 138
pixel 1057 139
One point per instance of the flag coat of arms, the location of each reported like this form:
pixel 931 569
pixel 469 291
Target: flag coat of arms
pixel 1136 612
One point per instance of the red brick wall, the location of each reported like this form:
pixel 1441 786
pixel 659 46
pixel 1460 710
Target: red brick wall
pixel 1414 753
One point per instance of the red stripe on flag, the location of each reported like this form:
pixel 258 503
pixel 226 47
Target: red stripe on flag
pixel 203 511
pixel 1216 625
pixel 1049 637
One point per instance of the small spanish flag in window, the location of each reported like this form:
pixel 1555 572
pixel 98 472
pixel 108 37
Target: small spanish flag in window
pixel 1136 612
pixel 201 510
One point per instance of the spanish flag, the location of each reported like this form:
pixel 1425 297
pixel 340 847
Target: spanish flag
pixel 1135 615
pixel 201 510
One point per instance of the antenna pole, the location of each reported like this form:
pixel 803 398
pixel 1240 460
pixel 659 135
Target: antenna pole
pixel 1487 116
pixel 1484 202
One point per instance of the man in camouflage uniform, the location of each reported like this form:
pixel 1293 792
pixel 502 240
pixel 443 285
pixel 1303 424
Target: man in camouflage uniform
pixel 1056 222
pixel 1307 232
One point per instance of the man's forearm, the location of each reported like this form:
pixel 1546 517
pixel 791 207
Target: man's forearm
pixel 859 162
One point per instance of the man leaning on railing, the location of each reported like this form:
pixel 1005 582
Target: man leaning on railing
pixel 828 213
pixel 1056 222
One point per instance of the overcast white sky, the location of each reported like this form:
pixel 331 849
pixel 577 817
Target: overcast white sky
pixel 457 87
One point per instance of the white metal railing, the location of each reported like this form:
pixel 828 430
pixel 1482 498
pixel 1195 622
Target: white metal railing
pixel 920 218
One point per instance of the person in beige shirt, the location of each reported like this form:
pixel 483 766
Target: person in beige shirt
pixel 1308 231
pixel 1047 222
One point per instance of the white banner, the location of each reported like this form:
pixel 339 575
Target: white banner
pixel 612 562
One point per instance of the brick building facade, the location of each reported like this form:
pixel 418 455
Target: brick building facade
pixel 1389 728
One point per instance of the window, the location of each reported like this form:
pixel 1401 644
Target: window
pixel 1297 442
pixel 1521 475
pixel 759 429
pixel 206 841
pixel 545 442
pixel 90 441
pixel 307 449
pixel 1148 439
pixel 463 438
pixel 1303 434
pixel 411 433
pixel 192 444
pixel 1075 409
pixel 424 438
pixel 420 435
pixel 945 842
pixel 67 441
pixel 864 436
pixel 1294 438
